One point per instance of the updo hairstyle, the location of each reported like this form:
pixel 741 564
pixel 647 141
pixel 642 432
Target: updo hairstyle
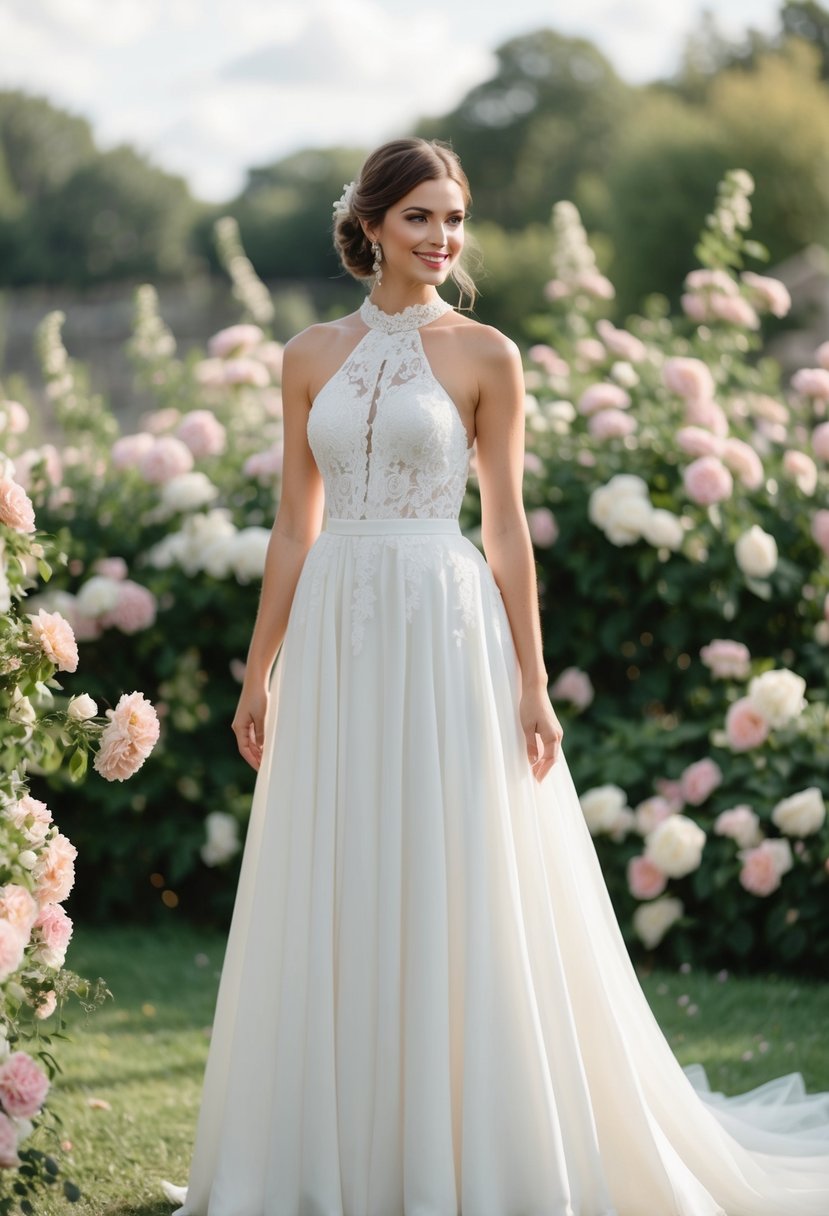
pixel 388 174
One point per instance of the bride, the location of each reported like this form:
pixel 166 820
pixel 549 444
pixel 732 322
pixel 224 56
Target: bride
pixel 426 1005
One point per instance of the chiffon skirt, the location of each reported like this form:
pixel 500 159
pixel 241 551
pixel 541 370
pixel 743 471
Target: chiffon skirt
pixel 426 1005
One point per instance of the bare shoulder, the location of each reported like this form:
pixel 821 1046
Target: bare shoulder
pixel 487 345
pixel 307 345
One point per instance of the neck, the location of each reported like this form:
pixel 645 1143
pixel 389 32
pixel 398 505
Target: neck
pixel 393 298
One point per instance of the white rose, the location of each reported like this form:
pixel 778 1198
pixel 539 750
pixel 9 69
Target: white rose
pixel 675 846
pixel 249 552
pixel 200 532
pixel 628 485
pixel 629 517
pixel 560 411
pixel 187 492
pixel 167 552
pixel 222 838
pixel 217 558
pixel 82 708
pixel 756 553
pixel 601 807
pixel 624 373
pixel 664 530
pixel 599 506
pixel 97 596
pixel 802 814
pixel 778 696
pixel 27 858
pixel 652 920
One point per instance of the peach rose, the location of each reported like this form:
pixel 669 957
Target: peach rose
pixel 54 871
pixel 52 932
pixel 645 879
pixel 128 739
pixel 19 907
pixel 16 510
pixel 12 946
pixel 768 294
pixel 46 1005
pixel 745 726
pixel 56 639
pixel 23 1085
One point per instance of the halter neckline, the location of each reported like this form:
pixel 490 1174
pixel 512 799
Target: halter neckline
pixel 413 317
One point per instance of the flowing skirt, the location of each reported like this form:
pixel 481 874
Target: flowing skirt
pixel 426 1005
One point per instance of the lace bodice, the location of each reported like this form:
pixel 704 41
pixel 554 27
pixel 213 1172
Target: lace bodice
pixel 387 438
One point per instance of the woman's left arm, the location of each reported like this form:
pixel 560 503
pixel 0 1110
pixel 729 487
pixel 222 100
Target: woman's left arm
pixel 499 425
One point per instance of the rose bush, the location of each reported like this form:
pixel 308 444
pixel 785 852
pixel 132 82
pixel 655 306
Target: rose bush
pixel 40 730
pixel 674 489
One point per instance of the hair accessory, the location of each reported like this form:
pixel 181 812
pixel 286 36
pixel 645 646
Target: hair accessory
pixel 343 204
pixel 377 268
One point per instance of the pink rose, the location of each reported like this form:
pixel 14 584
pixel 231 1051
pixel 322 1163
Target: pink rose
pixel 726 659
pixel 594 284
pixel 734 310
pixel 768 294
pixel 704 279
pixel 54 871
pixel 688 378
pixel 698 441
pixel 708 414
pixel 760 874
pixel 134 610
pixel 8 1143
pixel 12 945
pixel 128 739
pixel 707 481
pixel 159 421
pixel 645 879
pixel 32 817
pixel 533 463
pixel 742 459
pixel 128 451
pixel 652 811
pixel 55 638
pixel 741 824
pixel 555 290
pixel 16 416
pixel 547 358
pixel 671 791
pixel 23 1086
pixel 700 780
pixel 802 469
pixel 603 396
pixel 203 433
pixel 167 458
pixel 590 350
pixel 694 307
pixel 575 686
pixel 820 439
pixel 111 567
pixel 820 529
pixel 19 907
pixel 235 340
pixel 246 371
pixel 264 466
pixel 745 726
pixel 621 343
pixel 543 527
pixel 53 932
pixel 611 424
pixel 812 382
pixel 16 508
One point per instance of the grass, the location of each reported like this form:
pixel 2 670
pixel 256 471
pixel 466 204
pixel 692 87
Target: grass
pixel 143 1054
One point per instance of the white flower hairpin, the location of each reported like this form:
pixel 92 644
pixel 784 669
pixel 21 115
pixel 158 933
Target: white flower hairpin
pixel 343 204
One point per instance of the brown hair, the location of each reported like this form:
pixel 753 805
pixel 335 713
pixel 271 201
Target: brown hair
pixel 388 174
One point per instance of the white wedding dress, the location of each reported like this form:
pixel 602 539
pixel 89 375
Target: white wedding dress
pixel 426 1006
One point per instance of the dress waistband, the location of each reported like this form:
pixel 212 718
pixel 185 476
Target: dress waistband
pixel 361 527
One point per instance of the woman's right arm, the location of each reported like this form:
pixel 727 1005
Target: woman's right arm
pixel 295 528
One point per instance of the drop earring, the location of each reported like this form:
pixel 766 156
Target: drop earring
pixel 377 268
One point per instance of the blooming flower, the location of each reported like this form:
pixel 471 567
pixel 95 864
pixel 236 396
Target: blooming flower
pixel 128 739
pixel 16 508
pixel 802 470
pixel 675 846
pixel 764 866
pixel 801 814
pixel 55 638
pixel 52 933
pixel 756 553
pixel 707 481
pixel 689 378
pixel 575 686
pixel 745 726
pixel 645 879
pixel 651 921
pixel 767 293
pixel 611 424
pixel 812 382
pixel 601 807
pixel 741 824
pixel 726 659
pixel 54 871
pixel 603 396
pixel 778 696
pixel 699 780
pixel 203 433
pixel 543 527
pixel 234 340
pixel 23 1085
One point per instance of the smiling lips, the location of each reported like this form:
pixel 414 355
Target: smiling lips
pixel 435 260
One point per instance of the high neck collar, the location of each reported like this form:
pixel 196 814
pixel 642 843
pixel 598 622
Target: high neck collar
pixel 412 317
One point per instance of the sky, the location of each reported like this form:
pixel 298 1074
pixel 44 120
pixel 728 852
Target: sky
pixel 208 88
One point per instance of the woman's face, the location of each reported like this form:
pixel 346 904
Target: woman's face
pixel 422 233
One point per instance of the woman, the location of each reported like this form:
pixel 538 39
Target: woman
pixel 426 1005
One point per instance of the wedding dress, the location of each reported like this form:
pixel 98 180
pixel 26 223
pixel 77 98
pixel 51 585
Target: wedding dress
pixel 426 1006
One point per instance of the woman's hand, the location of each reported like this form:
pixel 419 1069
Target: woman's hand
pixel 538 720
pixel 249 722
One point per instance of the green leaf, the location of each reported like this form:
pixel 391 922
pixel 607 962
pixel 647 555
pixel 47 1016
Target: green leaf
pixel 78 764
pixel 44 569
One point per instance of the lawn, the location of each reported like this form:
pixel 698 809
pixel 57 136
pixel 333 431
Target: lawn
pixel 130 1088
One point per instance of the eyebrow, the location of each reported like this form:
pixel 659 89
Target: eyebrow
pixel 426 211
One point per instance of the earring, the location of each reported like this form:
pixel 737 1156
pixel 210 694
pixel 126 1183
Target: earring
pixel 377 268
